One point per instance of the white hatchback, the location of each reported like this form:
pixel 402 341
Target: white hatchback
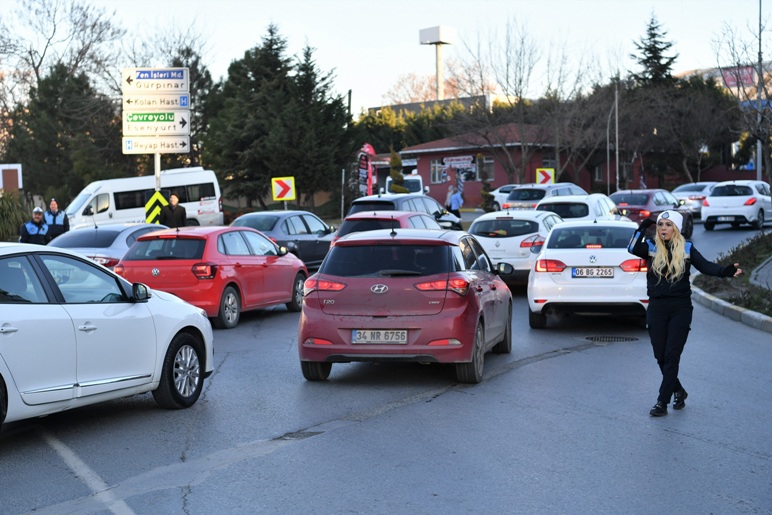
pixel 594 206
pixel 514 237
pixel 585 268
pixel 73 333
pixel 737 203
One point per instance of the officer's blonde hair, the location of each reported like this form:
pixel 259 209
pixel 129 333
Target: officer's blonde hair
pixel 670 266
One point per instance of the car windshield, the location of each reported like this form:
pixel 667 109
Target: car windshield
pixel 76 204
pixel 566 210
pixel 732 190
pixel 503 228
pixel 412 185
pixel 527 194
pixel 372 205
pixel 86 238
pixel 166 248
pixel 349 226
pixel 260 223
pixel 629 199
pixel 387 260
pixel 590 237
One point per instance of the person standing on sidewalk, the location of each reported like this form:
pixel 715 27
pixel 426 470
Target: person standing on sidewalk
pixel 174 214
pixel 35 230
pixel 456 201
pixel 669 315
pixel 57 221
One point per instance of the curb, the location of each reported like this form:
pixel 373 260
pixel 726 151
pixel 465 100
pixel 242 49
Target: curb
pixel 746 316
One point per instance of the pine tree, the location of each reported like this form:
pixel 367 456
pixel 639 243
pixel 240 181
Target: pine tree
pixel 657 67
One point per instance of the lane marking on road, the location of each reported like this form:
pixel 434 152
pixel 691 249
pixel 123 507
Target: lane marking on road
pixel 88 475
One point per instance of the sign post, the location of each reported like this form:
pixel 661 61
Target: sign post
pixel 156 120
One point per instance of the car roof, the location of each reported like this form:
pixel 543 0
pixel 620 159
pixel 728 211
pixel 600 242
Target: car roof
pixel 193 231
pixel 116 228
pixel 567 198
pixel 388 196
pixel 401 236
pixel 742 182
pixel 385 215
pixel 275 212
pixel 518 214
pixel 9 248
pixel 594 223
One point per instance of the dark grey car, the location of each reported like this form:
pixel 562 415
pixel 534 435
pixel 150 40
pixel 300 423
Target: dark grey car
pixel 303 233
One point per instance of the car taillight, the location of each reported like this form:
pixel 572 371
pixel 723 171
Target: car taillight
pixel 506 205
pixel 457 284
pixel 105 261
pixel 119 269
pixel 313 284
pixel 219 203
pixel 549 265
pixel 705 202
pixel 533 241
pixel 205 270
pixel 696 197
pixel 644 213
pixel 593 246
pixel 750 201
pixel 634 265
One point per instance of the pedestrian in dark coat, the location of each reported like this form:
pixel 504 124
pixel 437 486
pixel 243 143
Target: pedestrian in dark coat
pixel 669 315
pixel 35 230
pixel 174 214
pixel 57 221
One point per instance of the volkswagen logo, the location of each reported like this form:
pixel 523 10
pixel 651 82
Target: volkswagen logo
pixel 593 259
pixel 379 288
pixel 155 272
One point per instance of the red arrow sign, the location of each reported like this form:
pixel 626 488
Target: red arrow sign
pixel 544 175
pixel 283 188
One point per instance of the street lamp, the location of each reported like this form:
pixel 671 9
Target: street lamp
pixel 438 36
pixel 614 109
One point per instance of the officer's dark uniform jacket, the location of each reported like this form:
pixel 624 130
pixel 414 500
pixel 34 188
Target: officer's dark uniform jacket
pixel 659 287
pixel 57 223
pixel 34 233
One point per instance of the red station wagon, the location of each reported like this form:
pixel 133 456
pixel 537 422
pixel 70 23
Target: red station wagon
pixel 222 270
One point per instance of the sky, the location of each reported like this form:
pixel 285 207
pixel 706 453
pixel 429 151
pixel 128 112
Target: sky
pixel 370 44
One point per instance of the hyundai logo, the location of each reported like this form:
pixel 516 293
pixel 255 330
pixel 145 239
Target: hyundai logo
pixel 155 272
pixel 379 288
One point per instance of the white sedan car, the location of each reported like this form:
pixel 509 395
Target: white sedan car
pixel 73 333
pixel 585 268
pixel 514 237
pixel 736 203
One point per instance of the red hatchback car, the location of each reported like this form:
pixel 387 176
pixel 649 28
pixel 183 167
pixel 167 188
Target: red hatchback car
pixel 414 295
pixel 222 270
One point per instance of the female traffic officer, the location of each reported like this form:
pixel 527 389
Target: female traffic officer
pixel 669 315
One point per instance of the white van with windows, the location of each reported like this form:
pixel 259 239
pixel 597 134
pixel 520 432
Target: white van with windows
pixel 123 200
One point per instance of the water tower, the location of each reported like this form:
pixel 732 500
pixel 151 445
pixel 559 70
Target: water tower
pixel 438 36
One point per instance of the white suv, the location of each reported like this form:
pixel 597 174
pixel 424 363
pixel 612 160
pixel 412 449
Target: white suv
pixel 736 203
pixel 527 196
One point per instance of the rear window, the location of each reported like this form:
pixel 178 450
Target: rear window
pixel 527 194
pixel 629 199
pixel 371 205
pixel 261 223
pixel 90 238
pixel 732 190
pixel 166 248
pixel 598 237
pixel 566 210
pixel 689 187
pixel 349 226
pixel 503 228
pixel 387 260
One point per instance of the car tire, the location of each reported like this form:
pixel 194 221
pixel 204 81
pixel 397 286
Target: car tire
pixel 472 372
pixel 496 206
pixel 759 224
pixel 230 309
pixel 296 303
pixel 688 227
pixel 182 376
pixel 505 345
pixel 3 400
pixel 709 226
pixel 537 320
pixel 315 370
pixel 192 223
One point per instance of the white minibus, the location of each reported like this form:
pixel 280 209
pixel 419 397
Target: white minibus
pixel 113 201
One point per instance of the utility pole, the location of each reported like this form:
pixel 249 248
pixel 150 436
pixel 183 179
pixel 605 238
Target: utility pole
pixel 759 146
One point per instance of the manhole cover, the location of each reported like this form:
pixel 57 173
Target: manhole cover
pixel 610 339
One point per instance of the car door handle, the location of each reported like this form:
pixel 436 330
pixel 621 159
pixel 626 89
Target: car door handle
pixel 87 328
pixel 8 329
pixel 237 265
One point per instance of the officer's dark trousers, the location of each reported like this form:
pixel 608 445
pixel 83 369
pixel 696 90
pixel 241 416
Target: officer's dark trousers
pixel 669 322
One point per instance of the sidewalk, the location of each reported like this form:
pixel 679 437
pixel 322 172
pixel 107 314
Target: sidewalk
pixel 761 276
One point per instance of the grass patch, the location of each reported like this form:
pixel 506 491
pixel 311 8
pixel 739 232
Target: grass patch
pixel 740 291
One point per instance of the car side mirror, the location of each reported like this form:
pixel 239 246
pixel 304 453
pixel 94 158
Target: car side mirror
pixel 681 202
pixel 504 269
pixel 283 251
pixel 88 211
pixel 624 212
pixel 140 292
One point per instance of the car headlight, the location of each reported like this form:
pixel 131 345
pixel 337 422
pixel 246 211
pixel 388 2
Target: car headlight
pixel 201 312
